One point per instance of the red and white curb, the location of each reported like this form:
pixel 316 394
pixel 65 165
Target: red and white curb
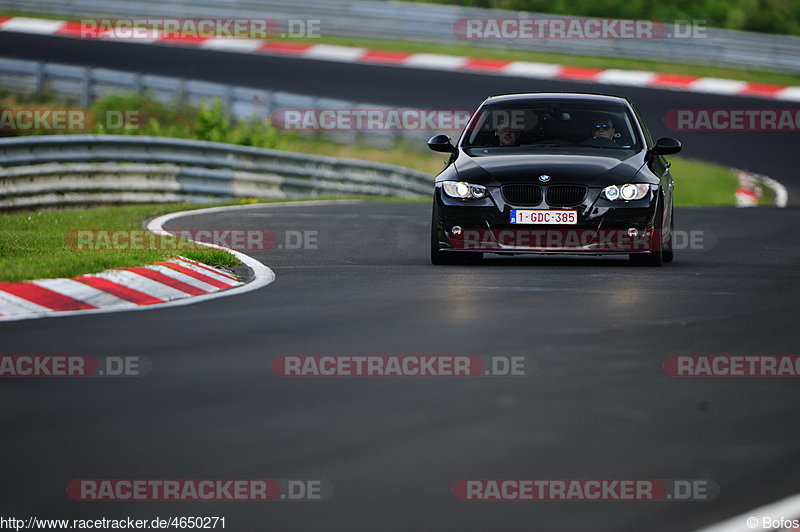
pixel 751 189
pixel 348 54
pixel 178 281
pixel 123 288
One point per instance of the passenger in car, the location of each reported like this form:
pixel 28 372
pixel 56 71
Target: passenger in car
pixel 508 136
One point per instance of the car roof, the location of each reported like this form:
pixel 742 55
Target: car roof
pixel 563 96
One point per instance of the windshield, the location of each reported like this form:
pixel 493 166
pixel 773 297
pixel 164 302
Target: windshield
pixel 551 126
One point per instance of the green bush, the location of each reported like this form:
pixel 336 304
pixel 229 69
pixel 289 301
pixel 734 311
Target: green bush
pixel 152 117
pixel 210 122
pixel 213 123
pixel 258 133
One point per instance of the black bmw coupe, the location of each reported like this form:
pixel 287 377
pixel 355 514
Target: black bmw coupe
pixel 545 173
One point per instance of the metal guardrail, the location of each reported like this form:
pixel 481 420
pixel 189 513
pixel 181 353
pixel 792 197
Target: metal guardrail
pixel 87 84
pixel 85 169
pixel 434 23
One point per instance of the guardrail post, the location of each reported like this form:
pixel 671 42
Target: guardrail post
pixel 86 87
pixel 267 103
pixel 138 84
pixel 228 98
pixel 38 78
pixel 180 96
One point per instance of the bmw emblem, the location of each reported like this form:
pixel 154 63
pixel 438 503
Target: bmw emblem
pixel 544 178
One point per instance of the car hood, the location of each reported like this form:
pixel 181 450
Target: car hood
pixel 590 170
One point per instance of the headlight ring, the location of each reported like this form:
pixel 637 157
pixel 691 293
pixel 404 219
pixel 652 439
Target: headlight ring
pixel 464 190
pixel 626 192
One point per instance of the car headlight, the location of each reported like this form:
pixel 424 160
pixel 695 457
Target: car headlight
pixel 627 192
pixel 611 192
pixel 462 190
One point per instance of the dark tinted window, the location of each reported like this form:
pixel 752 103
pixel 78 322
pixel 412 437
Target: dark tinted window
pixel 552 125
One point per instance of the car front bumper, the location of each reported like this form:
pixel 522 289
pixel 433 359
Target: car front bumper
pixel 603 227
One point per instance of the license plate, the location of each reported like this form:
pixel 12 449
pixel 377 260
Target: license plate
pixel 544 217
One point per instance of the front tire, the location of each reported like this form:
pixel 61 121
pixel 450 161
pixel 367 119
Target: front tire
pixel 668 254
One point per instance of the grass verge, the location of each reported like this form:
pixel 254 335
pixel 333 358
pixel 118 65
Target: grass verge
pixel 702 184
pixel 34 245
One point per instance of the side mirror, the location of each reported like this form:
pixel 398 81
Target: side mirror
pixel 441 143
pixel 666 146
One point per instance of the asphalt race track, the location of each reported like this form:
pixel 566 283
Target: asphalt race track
pixel 596 403
pixel 770 153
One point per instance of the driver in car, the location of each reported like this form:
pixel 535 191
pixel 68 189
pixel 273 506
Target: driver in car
pixel 602 133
